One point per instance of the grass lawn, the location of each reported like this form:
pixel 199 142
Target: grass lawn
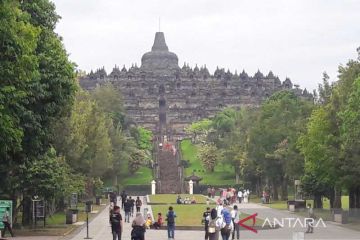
pixel 191 215
pixel 282 205
pixel 171 198
pixel 222 175
pixel 142 177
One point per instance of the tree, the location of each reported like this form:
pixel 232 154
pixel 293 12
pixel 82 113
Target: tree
pixel 209 154
pixel 199 128
pixel 350 136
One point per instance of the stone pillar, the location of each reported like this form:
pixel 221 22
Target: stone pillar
pixel 191 187
pixel 153 187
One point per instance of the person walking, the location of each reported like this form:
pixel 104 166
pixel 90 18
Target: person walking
pixel 123 198
pixel 138 204
pixel 206 219
pixel 170 218
pixel 138 227
pixel 310 220
pixel 7 222
pixel 132 206
pixel 127 210
pixel 226 224
pixel 116 223
pixel 214 225
pixel 235 216
pixel 240 195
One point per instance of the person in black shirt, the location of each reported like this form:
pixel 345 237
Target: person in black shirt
pixel 123 198
pixel 116 223
pixel 138 204
pixel 132 202
pixel 206 219
pixel 127 209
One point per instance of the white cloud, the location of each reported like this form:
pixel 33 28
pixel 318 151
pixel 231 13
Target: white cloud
pixel 295 38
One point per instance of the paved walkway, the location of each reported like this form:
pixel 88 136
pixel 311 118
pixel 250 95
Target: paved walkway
pixel 100 229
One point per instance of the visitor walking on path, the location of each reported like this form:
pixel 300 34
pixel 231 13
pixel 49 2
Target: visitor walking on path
pixel 206 219
pixel 170 218
pixel 214 225
pixel 6 222
pixel 138 227
pixel 226 224
pixel 235 216
pixel 127 210
pixel 123 198
pixel 132 205
pixel 138 204
pixel 311 219
pixel 116 223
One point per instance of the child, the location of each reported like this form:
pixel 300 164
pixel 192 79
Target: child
pixel 159 222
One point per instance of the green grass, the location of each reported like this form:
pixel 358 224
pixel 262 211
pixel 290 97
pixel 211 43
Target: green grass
pixel 222 175
pixel 191 215
pixel 171 198
pixel 282 205
pixel 142 177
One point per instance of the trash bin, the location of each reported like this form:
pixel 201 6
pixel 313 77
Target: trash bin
pixel 341 216
pixel 88 206
pixel 71 216
pixel 98 200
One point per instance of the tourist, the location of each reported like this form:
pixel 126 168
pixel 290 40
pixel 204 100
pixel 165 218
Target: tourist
pixel 127 209
pixel 240 196
pixel 170 218
pixel 138 204
pixel 209 192
pixel 226 224
pixel 219 208
pixel 246 197
pixel 123 198
pixel 159 222
pixel 7 222
pixel 132 206
pixel 113 198
pixel 213 192
pixel 116 223
pixel 193 200
pixel 310 220
pixel 149 221
pixel 138 227
pixel 235 216
pixel 214 225
pixel 206 220
pixel 179 200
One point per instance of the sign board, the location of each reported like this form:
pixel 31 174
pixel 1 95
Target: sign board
pixel 3 205
pixel 74 201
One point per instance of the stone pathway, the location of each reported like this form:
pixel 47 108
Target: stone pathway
pixel 99 229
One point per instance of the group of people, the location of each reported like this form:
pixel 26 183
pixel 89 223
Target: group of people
pixel 186 200
pixel 139 223
pixel 229 196
pixel 220 221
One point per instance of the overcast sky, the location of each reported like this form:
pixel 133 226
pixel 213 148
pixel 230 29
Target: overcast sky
pixel 299 39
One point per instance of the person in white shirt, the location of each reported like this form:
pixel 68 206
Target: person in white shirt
pixel 235 216
pixel 7 222
pixel 240 196
pixel 219 209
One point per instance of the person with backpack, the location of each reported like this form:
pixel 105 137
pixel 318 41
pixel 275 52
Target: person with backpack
pixel 138 204
pixel 235 216
pixel 116 223
pixel 170 218
pixel 127 209
pixel 214 225
pixel 7 223
pixel 206 220
pixel 226 224
pixel 138 227
pixel 132 206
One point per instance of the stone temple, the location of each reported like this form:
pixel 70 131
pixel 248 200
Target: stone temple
pixel 166 98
